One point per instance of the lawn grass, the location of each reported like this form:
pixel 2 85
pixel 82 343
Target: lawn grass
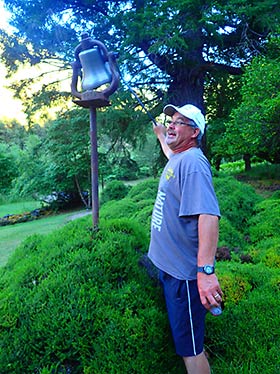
pixel 19 207
pixel 12 235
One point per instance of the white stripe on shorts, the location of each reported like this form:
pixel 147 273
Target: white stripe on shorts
pixel 190 314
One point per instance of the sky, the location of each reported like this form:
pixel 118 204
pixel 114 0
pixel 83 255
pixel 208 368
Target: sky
pixel 9 107
pixel 3 16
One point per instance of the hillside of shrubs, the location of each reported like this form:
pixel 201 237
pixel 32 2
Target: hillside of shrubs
pixel 84 301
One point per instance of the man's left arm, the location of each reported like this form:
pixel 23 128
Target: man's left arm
pixel 208 285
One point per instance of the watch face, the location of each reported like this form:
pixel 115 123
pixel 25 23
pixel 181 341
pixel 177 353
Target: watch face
pixel 208 269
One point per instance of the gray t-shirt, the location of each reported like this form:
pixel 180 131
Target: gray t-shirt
pixel 185 191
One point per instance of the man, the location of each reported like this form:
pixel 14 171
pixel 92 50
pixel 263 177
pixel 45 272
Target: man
pixel 184 234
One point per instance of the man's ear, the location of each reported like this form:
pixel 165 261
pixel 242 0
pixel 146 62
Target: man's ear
pixel 196 131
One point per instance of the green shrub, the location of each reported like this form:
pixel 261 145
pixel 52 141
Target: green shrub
pixel 235 286
pixel 245 339
pixel 265 232
pixel 144 214
pixel 12 219
pixel 114 190
pixel 144 191
pixel 77 300
pixel 266 251
pixel 229 236
pixel 264 171
pixel 266 222
pixel 124 208
pixel 233 167
pixel 237 201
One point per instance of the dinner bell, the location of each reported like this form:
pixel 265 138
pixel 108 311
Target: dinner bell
pixel 97 69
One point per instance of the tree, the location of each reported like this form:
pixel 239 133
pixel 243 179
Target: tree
pixel 30 162
pixel 254 128
pixel 167 43
pixel 222 95
pixel 8 169
pixel 12 132
pixel 67 147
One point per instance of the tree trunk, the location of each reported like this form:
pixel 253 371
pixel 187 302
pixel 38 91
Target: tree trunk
pixel 80 192
pixel 188 88
pixel 247 159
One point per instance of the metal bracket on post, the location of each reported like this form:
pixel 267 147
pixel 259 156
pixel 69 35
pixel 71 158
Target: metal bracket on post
pixel 96 67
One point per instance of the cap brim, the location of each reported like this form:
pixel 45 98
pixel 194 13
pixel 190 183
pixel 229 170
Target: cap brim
pixel 169 110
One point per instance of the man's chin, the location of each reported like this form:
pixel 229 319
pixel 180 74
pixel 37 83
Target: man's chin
pixel 170 141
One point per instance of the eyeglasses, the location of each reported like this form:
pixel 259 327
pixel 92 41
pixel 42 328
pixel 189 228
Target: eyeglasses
pixel 178 123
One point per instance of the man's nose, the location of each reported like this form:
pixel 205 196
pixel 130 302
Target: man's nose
pixel 171 125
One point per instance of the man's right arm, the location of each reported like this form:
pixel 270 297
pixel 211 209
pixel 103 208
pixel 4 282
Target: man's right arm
pixel 160 130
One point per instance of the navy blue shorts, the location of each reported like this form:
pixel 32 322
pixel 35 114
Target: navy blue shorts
pixel 186 314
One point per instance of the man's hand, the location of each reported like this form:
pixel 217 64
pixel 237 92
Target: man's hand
pixel 160 132
pixel 209 290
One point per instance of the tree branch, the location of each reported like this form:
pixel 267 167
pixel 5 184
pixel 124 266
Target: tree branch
pixel 210 66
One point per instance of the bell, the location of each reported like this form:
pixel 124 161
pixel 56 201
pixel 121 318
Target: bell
pixel 96 71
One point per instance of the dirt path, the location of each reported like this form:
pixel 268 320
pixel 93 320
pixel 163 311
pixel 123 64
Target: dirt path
pixel 79 215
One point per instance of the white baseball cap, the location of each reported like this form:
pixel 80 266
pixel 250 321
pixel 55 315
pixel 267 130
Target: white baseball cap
pixel 188 111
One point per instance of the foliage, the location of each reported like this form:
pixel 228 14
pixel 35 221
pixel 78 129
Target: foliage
pixel 169 49
pixel 267 251
pixel 12 133
pixel 222 94
pixel 254 126
pixel 30 166
pixel 237 201
pixel 137 205
pixel 124 208
pixel 229 236
pixel 236 287
pixel 144 190
pixel 67 147
pixel 264 171
pixel 245 339
pixel 8 171
pixel 265 233
pixel 266 223
pixel 11 219
pixel 88 295
pixel 77 299
pixel 114 190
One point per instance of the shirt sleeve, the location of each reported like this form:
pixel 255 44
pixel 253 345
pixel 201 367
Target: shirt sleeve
pixel 198 195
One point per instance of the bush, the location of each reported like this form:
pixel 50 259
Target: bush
pixel 11 219
pixel 266 223
pixel 234 285
pixel 124 208
pixel 144 213
pixel 77 300
pixel 245 339
pixel 237 201
pixel 229 236
pixel 265 232
pixel 266 251
pixel 114 190
pixel 144 191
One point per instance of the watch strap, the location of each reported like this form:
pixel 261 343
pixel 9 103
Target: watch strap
pixel 206 269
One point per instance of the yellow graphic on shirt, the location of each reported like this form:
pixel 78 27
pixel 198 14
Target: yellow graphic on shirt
pixel 169 174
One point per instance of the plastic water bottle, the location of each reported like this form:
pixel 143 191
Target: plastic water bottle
pixel 216 310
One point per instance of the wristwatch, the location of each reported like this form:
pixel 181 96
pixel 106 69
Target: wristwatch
pixel 206 269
